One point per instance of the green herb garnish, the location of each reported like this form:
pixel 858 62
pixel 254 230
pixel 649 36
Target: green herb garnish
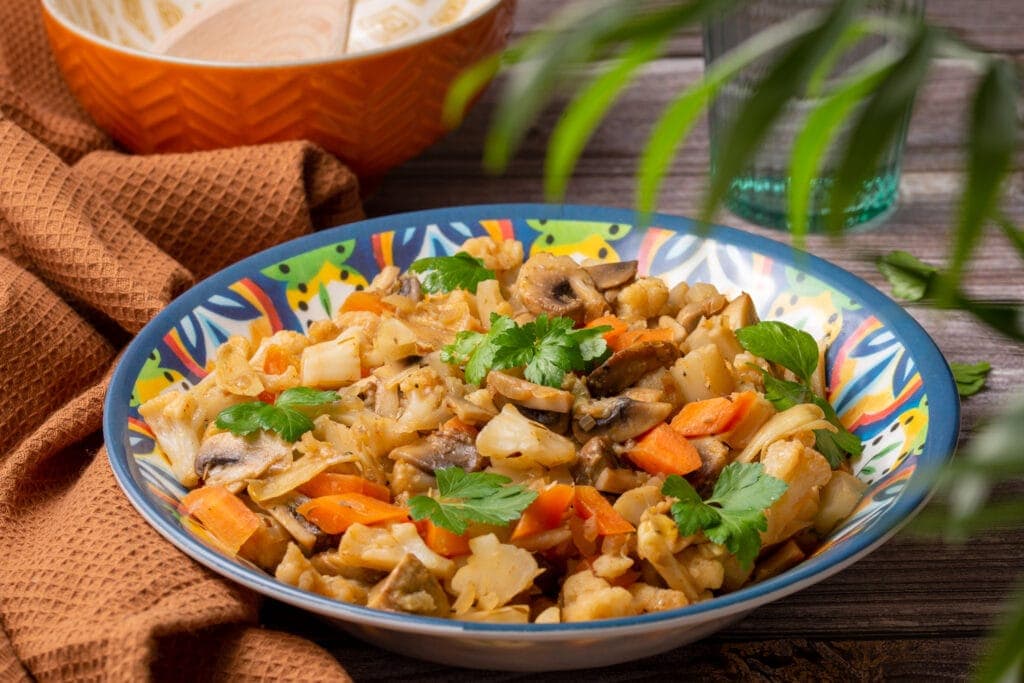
pixel 282 416
pixel 471 497
pixel 911 278
pixel 546 348
pixel 970 378
pixel 734 514
pixel 797 351
pixel 447 273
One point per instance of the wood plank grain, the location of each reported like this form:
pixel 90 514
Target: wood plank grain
pixel 991 24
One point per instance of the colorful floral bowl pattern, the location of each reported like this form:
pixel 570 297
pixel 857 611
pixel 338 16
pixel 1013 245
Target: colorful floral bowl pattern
pixel 887 380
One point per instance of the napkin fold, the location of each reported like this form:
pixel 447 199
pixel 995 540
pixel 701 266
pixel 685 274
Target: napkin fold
pixel 93 243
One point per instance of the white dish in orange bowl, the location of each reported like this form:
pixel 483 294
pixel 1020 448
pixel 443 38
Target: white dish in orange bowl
pixel 887 381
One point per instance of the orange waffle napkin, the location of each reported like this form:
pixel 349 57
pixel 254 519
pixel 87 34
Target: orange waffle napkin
pixel 93 243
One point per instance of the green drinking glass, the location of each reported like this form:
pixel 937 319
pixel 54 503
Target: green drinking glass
pixel 760 192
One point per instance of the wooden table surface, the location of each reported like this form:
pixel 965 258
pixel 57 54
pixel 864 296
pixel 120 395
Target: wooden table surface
pixel 913 609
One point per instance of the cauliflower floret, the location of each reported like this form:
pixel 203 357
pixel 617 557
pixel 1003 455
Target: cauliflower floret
pixel 586 596
pixel 297 571
pixel 641 300
pixel 178 419
pixel 805 471
pixel 383 549
pixel 552 615
pixel 489 299
pixel 658 542
pixel 509 614
pixel 499 256
pixel 612 566
pixel 516 442
pixel 647 598
pixel 234 373
pixel 493 574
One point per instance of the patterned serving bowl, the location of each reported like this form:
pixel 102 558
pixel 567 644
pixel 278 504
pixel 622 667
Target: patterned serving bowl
pixel 374 108
pixel 888 382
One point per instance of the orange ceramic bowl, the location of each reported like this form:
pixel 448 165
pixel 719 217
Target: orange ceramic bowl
pixel 374 109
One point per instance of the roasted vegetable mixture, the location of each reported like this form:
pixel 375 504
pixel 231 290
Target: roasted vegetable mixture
pixel 490 439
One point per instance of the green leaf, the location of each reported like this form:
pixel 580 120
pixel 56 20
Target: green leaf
pixel 677 120
pixel 244 418
pixel 584 113
pixel 478 496
pixel 1004 657
pixel 993 134
pixel 288 422
pixel 819 131
pixel 785 79
pixel 911 278
pixel 305 396
pixel 970 378
pixel 879 124
pixel 469 84
pixel 1012 232
pixel 734 514
pixel 783 344
pixel 448 273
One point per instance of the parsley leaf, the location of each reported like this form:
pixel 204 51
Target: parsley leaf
pixel 446 273
pixel 970 379
pixel 477 497
pixel 911 278
pixel 780 343
pixel 282 417
pixel 547 348
pixel 734 514
pixel 784 394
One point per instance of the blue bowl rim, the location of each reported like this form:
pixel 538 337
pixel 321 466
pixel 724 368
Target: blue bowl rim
pixel 944 426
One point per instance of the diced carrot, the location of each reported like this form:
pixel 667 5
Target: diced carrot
pixel 713 415
pixel 588 502
pixel 663 450
pixel 546 511
pixel 267 397
pixel 442 541
pixel 456 425
pixel 365 301
pixel 332 483
pixel 334 514
pixel 223 514
pixel 617 324
pixel 276 360
pixel 634 337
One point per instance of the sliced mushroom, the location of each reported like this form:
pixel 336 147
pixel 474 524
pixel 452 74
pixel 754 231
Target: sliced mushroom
pixel 617 418
pixel 226 459
pixel 410 587
pixel 714 456
pixel 526 394
pixel 556 422
pixel 441 449
pixel 611 275
pixel 595 456
pixel 558 286
pixel 624 368
pixel 409 287
pixel 308 536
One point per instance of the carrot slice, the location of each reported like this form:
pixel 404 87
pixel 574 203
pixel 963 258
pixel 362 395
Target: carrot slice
pixel 456 425
pixel 331 483
pixel 663 450
pixel 588 502
pixel 634 337
pixel 334 514
pixel 713 415
pixel 442 541
pixel 617 324
pixel 546 511
pixel 222 513
pixel 365 301
pixel 276 360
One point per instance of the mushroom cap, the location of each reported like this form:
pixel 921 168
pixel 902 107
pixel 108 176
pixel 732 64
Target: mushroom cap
pixel 618 418
pixel 625 367
pixel 229 459
pixel 611 275
pixel 558 286
pixel 439 450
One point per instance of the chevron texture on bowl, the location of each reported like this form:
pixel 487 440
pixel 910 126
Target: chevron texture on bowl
pixel 373 110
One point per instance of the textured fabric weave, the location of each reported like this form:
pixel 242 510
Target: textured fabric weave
pixel 93 243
